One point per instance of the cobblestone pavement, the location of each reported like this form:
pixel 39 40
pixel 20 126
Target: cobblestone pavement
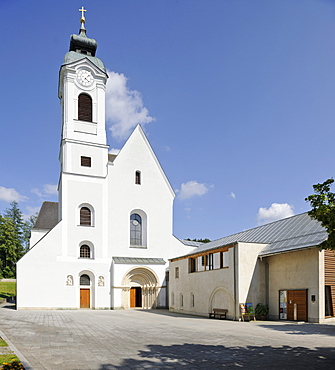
pixel 157 339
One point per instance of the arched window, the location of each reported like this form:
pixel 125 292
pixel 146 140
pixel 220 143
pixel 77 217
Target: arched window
pixel 85 251
pixel 85 216
pixel 84 108
pixel 135 229
pixel 85 280
pixel 138 177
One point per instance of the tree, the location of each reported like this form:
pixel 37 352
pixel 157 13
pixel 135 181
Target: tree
pixel 14 238
pixel 14 213
pixel 26 227
pixel 199 240
pixel 8 247
pixel 323 210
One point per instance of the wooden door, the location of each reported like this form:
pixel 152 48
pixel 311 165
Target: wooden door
pixel 133 297
pixel 84 298
pixel 297 305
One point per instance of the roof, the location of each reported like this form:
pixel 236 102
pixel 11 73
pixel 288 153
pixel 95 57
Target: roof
pixel 134 260
pixel 292 233
pixel 48 216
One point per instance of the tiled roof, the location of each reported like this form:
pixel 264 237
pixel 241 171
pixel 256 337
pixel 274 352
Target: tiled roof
pixel 47 217
pixel 285 235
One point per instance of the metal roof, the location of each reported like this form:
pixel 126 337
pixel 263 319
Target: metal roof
pixel 135 260
pixel 288 234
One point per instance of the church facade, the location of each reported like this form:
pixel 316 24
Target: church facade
pixel 107 241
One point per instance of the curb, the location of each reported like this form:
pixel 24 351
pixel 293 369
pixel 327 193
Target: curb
pixel 23 360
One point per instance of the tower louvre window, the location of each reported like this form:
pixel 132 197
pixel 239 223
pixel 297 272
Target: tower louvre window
pixel 85 216
pixel 85 161
pixel 84 108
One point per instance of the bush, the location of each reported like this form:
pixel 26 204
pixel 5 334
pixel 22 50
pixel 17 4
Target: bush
pixel 261 309
pixel 13 365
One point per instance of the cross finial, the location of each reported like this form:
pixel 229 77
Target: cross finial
pixel 82 18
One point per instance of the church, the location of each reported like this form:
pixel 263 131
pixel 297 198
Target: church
pixel 106 243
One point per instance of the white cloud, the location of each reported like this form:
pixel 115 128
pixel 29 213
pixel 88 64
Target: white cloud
pixel 11 195
pixel 50 189
pixel 233 195
pixel 275 212
pixel 31 211
pixel 191 189
pixel 47 190
pixel 114 151
pixel 124 107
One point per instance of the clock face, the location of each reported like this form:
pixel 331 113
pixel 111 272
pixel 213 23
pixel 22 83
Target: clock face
pixel 84 77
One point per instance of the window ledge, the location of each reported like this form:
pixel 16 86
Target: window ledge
pixel 85 258
pixel 138 246
pixel 85 225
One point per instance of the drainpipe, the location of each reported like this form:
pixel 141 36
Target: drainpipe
pixel 235 281
pixel 267 292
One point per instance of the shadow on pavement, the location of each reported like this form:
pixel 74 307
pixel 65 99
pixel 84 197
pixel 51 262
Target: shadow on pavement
pixel 196 356
pixel 303 329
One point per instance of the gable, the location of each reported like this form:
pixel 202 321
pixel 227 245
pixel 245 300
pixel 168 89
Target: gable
pixel 137 154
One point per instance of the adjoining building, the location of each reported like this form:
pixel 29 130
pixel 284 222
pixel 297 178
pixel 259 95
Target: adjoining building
pixel 278 264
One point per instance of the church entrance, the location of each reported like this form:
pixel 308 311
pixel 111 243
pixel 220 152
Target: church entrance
pixel 84 298
pixel 140 288
pixel 136 297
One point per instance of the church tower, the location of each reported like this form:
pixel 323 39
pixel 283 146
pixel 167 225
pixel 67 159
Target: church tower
pixel 83 150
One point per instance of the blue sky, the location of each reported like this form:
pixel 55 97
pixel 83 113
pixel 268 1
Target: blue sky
pixel 237 99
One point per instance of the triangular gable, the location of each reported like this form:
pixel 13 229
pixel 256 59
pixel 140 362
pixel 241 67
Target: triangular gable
pixel 138 132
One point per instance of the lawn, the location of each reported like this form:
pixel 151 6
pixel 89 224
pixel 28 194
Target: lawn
pixel 7 289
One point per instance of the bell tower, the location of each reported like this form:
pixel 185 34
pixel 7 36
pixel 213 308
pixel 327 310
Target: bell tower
pixel 83 148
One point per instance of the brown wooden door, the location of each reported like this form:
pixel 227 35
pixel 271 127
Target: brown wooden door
pixel 297 305
pixel 84 298
pixel 132 297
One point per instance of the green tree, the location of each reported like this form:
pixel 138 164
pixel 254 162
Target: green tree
pixel 323 210
pixel 8 247
pixel 199 240
pixel 26 227
pixel 14 213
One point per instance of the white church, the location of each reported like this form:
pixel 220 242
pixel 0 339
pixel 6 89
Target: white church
pixel 107 242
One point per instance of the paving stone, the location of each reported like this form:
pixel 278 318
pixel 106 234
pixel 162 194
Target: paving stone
pixel 157 339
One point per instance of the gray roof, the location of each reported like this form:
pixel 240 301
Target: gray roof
pixel 288 234
pixel 72 56
pixel 48 216
pixel 135 260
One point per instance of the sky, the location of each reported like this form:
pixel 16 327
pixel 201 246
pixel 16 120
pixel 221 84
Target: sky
pixel 237 99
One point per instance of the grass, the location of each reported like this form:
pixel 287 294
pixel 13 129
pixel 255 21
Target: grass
pixel 7 289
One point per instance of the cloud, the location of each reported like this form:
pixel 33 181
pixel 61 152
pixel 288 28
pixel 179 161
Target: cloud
pixel 191 189
pixel 47 190
pixel 233 195
pixel 114 151
pixel 275 212
pixel 11 195
pixel 50 189
pixel 124 107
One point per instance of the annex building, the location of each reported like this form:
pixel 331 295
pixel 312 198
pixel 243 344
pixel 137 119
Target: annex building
pixel 107 242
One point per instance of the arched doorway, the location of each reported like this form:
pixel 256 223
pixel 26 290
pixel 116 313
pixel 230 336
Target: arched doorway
pixel 86 290
pixel 139 288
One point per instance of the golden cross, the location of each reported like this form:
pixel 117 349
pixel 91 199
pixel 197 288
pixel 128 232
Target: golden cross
pixel 82 10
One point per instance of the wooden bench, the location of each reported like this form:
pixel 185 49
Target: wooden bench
pixel 218 313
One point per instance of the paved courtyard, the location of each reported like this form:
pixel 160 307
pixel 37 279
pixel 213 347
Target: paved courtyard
pixel 157 339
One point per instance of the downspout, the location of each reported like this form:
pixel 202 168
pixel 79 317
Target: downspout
pixel 235 282
pixel 267 291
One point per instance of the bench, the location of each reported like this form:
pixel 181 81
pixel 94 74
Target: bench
pixel 218 313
